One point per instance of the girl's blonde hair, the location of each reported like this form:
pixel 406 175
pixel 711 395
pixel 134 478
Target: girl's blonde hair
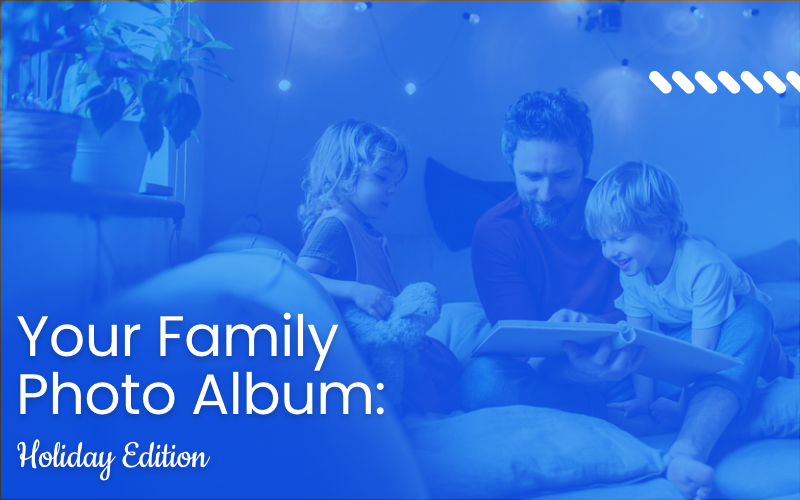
pixel 636 197
pixel 345 151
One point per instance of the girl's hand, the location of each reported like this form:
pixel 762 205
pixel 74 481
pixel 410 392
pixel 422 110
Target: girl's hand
pixel 632 408
pixel 372 300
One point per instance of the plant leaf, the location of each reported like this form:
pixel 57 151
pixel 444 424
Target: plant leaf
pixel 148 5
pixel 123 72
pixel 105 110
pixel 190 84
pixel 162 21
pixel 144 32
pixel 216 44
pixel 187 69
pixel 120 54
pixel 198 23
pixel 153 132
pixel 154 98
pixel 166 70
pixel 183 115
pixel 223 75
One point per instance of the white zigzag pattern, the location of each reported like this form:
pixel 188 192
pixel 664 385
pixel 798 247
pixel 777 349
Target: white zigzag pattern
pixel 726 80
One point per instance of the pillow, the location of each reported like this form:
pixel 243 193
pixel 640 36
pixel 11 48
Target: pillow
pixel 456 202
pixel 765 468
pixel 462 326
pixel 247 241
pixel 785 307
pixel 335 455
pixel 517 451
pixel 779 263
pixel 772 412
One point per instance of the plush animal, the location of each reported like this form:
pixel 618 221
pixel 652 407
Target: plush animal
pixel 392 344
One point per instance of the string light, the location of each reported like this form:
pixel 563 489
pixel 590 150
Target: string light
pixel 362 6
pixel 472 18
pixel 697 12
pixel 283 85
pixel 592 20
pixel 750 13
pixel 411 88
pixel 610 19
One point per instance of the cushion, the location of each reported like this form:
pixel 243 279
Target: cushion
pixel 767 468
pixel 417 258
pixel 764 468
pixel 652 488
pixel 456 202
pixel 517 451
pixel 771 413
pixel 276 455
pixel 246 241
pixel 785 307
pixel 462 326
pixel 779 263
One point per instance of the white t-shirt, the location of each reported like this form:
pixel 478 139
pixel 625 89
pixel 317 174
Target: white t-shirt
pixel 699 288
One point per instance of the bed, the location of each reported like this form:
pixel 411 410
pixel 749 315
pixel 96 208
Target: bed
pixel 497 452
pixel 760 462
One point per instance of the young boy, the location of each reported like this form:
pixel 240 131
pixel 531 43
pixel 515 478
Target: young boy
pixel 688 286
pixel 696 294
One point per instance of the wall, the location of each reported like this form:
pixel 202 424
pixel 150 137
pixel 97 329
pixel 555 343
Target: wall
pixel 738 171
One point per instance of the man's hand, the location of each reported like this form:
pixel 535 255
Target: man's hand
pixel 569 316
pixel 600 366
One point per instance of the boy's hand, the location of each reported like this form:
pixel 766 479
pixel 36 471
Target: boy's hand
pixel 372 300
pixel 631 408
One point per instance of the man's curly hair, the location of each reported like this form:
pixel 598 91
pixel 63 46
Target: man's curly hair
pixel 559 116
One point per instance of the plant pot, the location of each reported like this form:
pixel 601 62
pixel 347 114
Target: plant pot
pixel 114 161
pixel 38 141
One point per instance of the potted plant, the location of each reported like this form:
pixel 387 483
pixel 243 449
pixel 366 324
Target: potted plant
pixel 158 89
pixel 35 137
pixel 118 69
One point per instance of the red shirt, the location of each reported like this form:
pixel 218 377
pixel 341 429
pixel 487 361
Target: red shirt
pixel 525 272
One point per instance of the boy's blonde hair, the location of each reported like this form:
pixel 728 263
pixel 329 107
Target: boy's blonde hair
pixel 636 197
pixel 345 151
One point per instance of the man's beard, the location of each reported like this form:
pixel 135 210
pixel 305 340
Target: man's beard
pixel 546 219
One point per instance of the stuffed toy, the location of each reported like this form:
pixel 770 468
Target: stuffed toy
pixel 390 345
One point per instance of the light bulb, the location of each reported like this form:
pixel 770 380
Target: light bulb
pixel 474 18
pixel 361 6
pixel 284 85
pixel 411 88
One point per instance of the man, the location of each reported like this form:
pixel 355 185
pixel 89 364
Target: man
pixel 532 259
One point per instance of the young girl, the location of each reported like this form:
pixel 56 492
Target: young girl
pixel 353 174
pixel 694 291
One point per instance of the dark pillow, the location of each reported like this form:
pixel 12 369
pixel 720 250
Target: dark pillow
pixel 456 202
pixel 779 263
